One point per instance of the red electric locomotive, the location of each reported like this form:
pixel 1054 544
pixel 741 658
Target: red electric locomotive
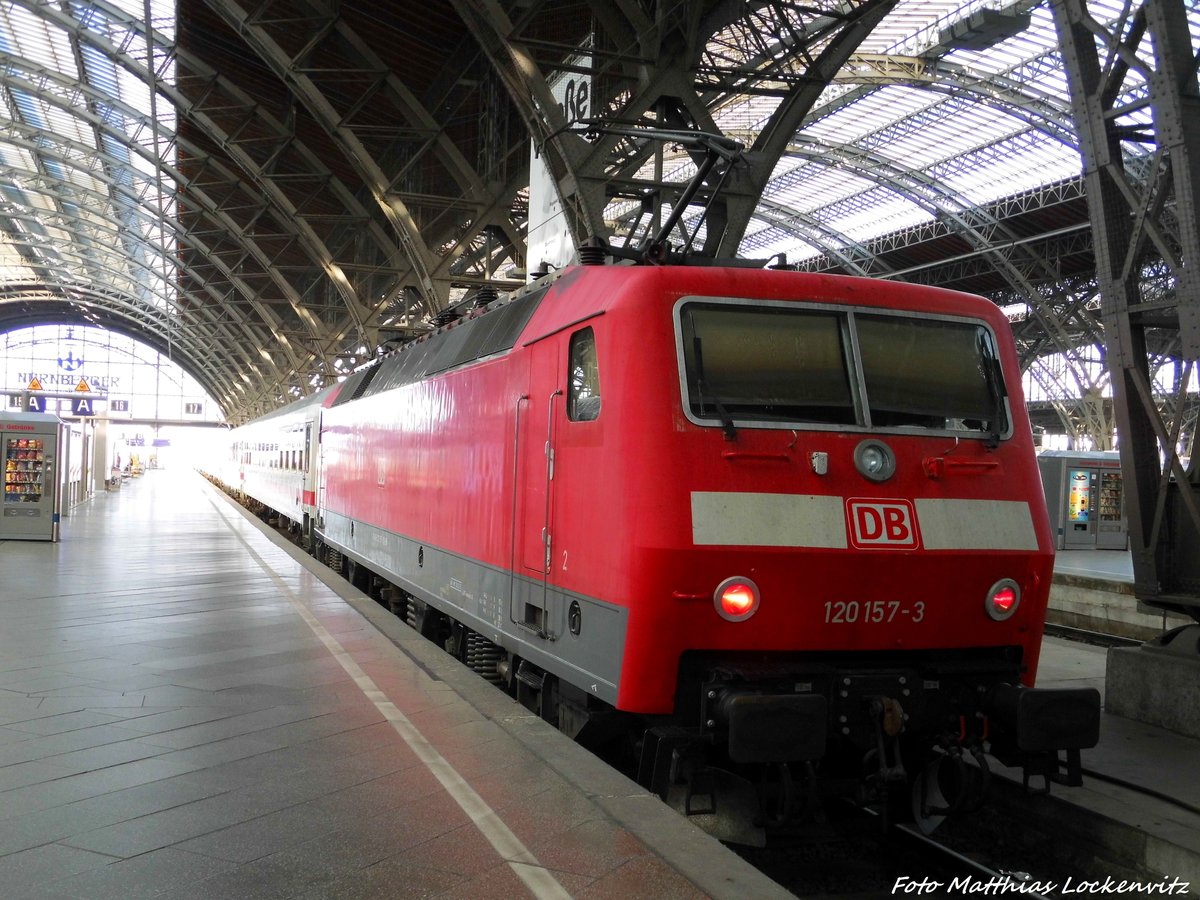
pixel 785 523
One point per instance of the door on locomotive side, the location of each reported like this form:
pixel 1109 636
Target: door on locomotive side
pixel 536 414
pixel 320 473
pixel 308 464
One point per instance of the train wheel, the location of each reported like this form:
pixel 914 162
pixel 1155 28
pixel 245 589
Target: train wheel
pixel 395 600
pixel 426 620
pixel 929 805
pixel 508 668
pixel 777 795
pixel 359 576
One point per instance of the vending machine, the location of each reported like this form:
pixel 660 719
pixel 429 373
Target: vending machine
pixel 1084 496
pixel 30 445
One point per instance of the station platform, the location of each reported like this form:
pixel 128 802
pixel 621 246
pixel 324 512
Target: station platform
pixel 1137 814
pixel 192 708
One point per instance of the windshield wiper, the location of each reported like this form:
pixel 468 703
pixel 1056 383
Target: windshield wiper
pixel 702 388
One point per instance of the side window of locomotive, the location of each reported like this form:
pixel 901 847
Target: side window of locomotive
pixel 934 374
pixel 583 393
pixel 766 363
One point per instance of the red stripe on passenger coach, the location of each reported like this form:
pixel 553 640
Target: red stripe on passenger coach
pixel 310 498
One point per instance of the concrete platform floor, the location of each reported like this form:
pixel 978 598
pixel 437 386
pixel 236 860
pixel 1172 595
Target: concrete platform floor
pixel 1110 565
pixel 187 710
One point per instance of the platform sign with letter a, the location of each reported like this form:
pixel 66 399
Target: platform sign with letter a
pixel 83 406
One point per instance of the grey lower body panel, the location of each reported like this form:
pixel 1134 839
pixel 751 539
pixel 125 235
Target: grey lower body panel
pixel 496 604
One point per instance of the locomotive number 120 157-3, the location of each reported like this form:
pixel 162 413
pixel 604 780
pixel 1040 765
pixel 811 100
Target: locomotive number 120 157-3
pixel 872 612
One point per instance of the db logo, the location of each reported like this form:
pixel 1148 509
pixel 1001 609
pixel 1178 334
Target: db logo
pixel 891 524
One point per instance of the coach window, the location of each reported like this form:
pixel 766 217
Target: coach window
pixel 583 399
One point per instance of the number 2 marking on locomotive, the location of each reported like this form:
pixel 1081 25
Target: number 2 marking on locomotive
pixel 872 612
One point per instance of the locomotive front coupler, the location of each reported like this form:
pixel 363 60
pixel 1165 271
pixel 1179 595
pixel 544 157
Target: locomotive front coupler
pixel 887 721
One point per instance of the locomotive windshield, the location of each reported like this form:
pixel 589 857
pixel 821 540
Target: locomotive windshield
pixel 752 363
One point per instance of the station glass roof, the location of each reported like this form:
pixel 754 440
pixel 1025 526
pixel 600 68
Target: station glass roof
pixel 946 106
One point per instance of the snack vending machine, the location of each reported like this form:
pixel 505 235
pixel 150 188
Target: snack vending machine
pixel 30 445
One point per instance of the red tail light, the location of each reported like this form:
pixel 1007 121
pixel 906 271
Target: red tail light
pixel 1003 599
pixel 736 599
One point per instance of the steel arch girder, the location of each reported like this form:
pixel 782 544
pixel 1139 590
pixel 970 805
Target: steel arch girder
pixel 42 148
pixel 51 14
pixel 316 249
pixel 114 273
pixel 1124 212
pixel 785 121
pixel 420 258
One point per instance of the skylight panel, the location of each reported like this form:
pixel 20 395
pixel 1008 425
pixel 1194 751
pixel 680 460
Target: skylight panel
pixel 37 200
pixel 135 92
pixel 114 149
pixel 141 164
pixel 13 267
pixel 1039 38
pixel 7 113
pixel 745 114
pixel 868 201
pixel 907 19
pixel 793 241
pixel 812 187
pixel 34 40
pixel 55 169
pixel 67 125
pixel 949 130
pixel 59 236
pixel 17 158
pixel 871 113
pixel 866 210
pixel 881 215
pixel 1041 76
pixel 99 70
pixel 30 107
pixel 1009 167
pixel 162 14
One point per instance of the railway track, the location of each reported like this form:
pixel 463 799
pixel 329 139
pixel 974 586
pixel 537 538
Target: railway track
pixel 854 859
pixel 1083 635
pixel 964 874
pixel 1012 848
